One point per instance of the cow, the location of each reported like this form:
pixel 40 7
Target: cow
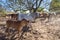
pixel 18 25
pixel 44 16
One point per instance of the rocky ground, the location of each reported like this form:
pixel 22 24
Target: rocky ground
pixel 38 31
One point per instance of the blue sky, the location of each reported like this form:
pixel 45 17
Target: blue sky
pixel 4 0
pixel 44 5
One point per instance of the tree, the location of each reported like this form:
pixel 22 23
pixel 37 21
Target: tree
pixel 40 9
pixel 13 4
pixel 2 9
pixel 55 5
pixel 24 4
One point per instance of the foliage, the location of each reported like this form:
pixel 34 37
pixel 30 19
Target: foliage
pixel 2 11
pixel 40 9
pixel 55 5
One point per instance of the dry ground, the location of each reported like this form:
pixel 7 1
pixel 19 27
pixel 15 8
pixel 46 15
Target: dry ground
pixel 39 31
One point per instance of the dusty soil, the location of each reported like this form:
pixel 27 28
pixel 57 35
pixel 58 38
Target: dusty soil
pixel 38 31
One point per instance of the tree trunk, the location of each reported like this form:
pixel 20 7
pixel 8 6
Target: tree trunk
pixel 34 10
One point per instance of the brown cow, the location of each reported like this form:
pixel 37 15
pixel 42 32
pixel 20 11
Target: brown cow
pixel 18 25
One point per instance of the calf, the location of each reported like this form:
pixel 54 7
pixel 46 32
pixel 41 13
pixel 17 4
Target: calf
pixel 18 25
pixel 45 16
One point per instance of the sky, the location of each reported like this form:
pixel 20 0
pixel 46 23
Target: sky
pixel 45 5
pixel 42 5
